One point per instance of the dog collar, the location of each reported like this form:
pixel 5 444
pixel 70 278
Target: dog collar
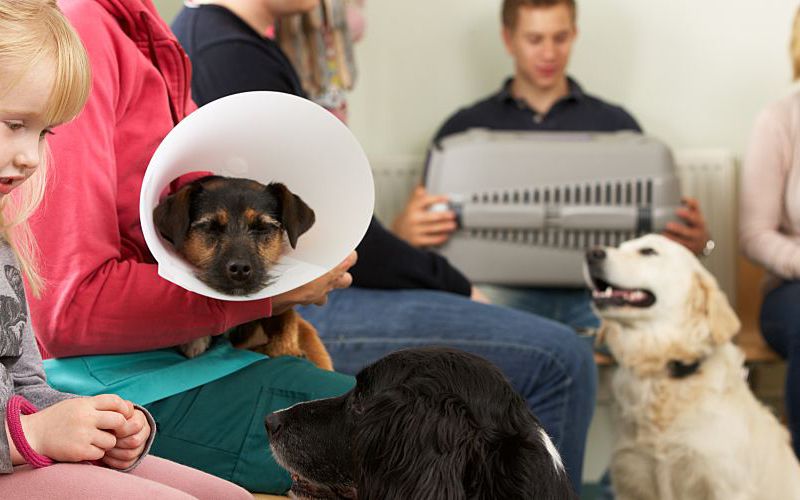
pixel 679 369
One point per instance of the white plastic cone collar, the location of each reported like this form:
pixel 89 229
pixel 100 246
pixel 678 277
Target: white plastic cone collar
pixel 268 136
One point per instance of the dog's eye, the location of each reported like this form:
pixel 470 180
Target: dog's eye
pixel 261 227
pixel 647 251
pixel 209 226
pixel 216 226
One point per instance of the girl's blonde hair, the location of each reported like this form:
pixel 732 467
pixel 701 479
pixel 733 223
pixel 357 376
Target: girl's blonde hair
pixel 794 46
pixel 32 31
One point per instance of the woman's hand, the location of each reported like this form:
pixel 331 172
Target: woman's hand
pixel 75 430
pixel 317 291
pixel 131 440
pixel 421 227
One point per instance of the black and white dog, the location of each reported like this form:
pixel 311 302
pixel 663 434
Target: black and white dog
pixel 428 423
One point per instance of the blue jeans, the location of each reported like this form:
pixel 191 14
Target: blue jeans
pixel 780 325
pixel 546 362
pixel 571 306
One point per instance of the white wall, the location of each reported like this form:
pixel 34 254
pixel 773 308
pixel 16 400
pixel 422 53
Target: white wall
pixel 693 72
pixel 168 8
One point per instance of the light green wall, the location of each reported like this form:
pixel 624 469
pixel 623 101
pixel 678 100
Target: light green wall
pixel 168 8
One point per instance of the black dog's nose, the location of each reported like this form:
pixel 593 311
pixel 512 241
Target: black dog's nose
pixel 595 254
pixel 273 423
pixel 239 270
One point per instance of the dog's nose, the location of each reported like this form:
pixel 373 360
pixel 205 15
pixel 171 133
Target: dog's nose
pixel 239 270
pixel 595 254
pixel 273 423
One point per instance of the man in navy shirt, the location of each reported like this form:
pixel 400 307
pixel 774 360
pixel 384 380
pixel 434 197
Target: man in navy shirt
pixel 538 34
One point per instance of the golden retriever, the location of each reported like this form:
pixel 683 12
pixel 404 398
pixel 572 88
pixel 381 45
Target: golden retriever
pixel 688 426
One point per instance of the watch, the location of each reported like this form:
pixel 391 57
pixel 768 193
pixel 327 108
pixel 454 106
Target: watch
pixel 709 247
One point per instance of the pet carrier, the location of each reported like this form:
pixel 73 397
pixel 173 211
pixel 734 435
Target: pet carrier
pixel 529 203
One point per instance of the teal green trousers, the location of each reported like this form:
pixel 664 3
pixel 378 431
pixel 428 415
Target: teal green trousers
pixel 219 427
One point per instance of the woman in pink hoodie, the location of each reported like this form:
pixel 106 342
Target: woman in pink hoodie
pixel 49 437
pixel 107 315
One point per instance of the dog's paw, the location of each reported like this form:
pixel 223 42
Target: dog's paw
pixel 195 347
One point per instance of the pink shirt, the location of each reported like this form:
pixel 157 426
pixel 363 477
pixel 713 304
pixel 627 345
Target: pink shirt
pixel 769 219
pixel 103 292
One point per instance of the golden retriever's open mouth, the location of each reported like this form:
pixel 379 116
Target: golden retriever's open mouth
pixel 303 489
pixel 604 294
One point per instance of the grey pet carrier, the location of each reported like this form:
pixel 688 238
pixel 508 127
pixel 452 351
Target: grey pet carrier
pixel 530 203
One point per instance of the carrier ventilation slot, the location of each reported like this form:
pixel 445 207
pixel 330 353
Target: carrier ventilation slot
pixel 634 192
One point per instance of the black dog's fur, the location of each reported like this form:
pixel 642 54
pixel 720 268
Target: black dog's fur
pixel 428 423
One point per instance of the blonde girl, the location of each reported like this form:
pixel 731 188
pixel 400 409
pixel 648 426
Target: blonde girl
pixel 55 444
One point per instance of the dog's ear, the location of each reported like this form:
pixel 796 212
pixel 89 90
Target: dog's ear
pixel 707 302
pixel 171 216
pixel 416 445
pixel 521 460
pixel 296 216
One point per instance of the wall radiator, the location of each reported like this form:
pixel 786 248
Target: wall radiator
pixel 710 175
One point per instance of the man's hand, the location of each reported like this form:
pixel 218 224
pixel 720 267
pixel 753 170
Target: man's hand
pixel 131 440
pixel 478 296
pixel 691 232
pixel 419 226
pixel 317 291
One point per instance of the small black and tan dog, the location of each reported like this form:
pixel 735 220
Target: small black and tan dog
pixel 429 424
pixel 233 231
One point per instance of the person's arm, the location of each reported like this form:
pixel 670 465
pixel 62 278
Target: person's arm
pixel 101 296
pixel 28 374
pixel 763 196
pixel 30 383
pixel 385 261
pixel 9 455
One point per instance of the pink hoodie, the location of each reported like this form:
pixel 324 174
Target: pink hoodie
pixel 103 293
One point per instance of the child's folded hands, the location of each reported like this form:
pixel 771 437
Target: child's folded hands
pixel 132 437
pixel 104 427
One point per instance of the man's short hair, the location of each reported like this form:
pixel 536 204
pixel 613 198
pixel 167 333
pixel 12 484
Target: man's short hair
pixel 511 9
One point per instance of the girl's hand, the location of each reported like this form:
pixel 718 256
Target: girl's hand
pixel 317 291
pixel 131 440
pixel 75 430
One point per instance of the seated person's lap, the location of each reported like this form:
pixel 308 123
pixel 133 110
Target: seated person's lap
pixel 571 306
pixel 154 478
pixel 359 326
pixel 219 427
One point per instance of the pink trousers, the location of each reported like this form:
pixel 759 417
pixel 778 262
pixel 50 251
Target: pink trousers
pixel 154 479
